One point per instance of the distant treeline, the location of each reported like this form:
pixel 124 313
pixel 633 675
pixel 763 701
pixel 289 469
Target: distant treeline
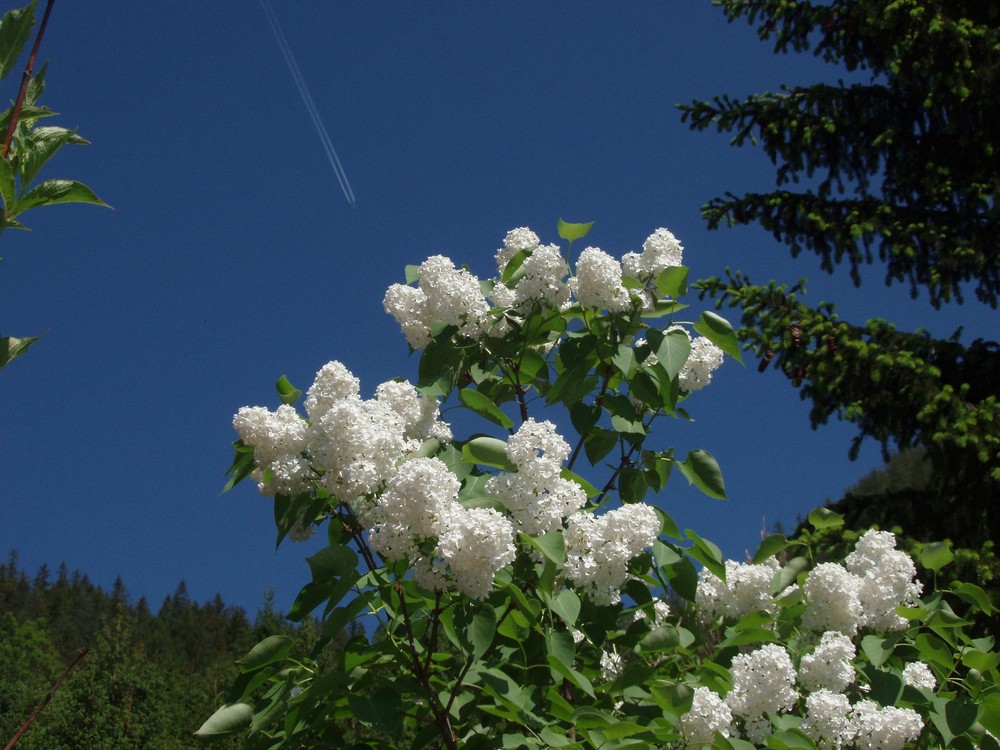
pixel 147 681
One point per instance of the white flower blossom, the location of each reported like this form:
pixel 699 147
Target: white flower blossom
pixel 279 439
pixel 470 545
pixel 611 666
pixel 832 599
pixel 708 714
pixel 829 665
pixel 598 282
pixel 536 496
pixel 333 383
pixel 661 250
pixel 598 548
pixel 543 280
pixel 420 414
pixel 445 294
pixel 762 685
pixel 516 240
pixel 476 543
pixel 919 675
pixel 826 721
pixel 887 579
pixel 746 589
pixel 704 359
pixel 883 728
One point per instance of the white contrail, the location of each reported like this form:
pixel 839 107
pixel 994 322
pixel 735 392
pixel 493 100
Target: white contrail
pixel 300 83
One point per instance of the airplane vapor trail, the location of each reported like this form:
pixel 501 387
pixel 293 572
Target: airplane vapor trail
pixel 300 83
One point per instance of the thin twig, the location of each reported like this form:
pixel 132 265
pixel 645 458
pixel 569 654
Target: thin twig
pixel 25 79
pixel 48 697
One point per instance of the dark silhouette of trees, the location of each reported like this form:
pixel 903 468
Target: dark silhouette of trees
pixel 901 169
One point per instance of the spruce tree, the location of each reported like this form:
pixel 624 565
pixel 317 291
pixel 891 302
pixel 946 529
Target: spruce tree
pixel 899 168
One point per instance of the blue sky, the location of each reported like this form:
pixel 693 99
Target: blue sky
pixel 232 257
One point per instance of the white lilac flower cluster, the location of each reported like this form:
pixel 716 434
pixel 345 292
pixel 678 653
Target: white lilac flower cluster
pixel 349 445
pixel 763 683
pixel 704 359
pixel 361 452
pixel 536 496
pixel 540 500
pixel 543 278
pixel 599 548
pixel 840 599
pixel 611 665
pixel 875 579
pixel 598 282
pixel 764 687
pixel 660 251
pixel 829 666
pixel 445 294
pixel 420 506
pixel 745 590
pixel 708 714
pixel 833 723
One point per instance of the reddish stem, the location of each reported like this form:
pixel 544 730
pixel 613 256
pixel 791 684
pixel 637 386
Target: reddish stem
pixel 25 79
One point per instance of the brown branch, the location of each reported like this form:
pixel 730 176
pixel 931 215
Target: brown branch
pixel 31 719
pixel 25 79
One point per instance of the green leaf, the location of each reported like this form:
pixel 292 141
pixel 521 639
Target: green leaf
pixel 229 719
pixel 824 518
pixel 717 329
pixel 288 393
pixel 664 638
pixel 551 545
pixel 747 636
pixel 672 281
pixel 40 146
pixel 953 718
pixel 702 470
pixel 333 563
pixel 674 698
pixel 624 360
pixel 787 575
pixel 11 348
pixel 935 555
pixel 599 444
pixel 672 349
pixel 771 546
pixel 15 27
pixel 707 553
pixel 668 527
pixel 268 651
pixel 35 87
pixel 412 273
pixel 790 740
pixel 439 364
pixel 632 485
pixel 7 188
pixel 662 307
pixel 484 407
pixel 666 554
pixel 971 593
pixel 886 687
pixel 571 232
pixel 566 604
pixel 877 648
pixel 55 191
pixel 683 577
pixel 482 631
pixel 731 743
pixel 487 451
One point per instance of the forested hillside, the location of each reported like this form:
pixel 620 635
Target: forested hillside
pixel 146 681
